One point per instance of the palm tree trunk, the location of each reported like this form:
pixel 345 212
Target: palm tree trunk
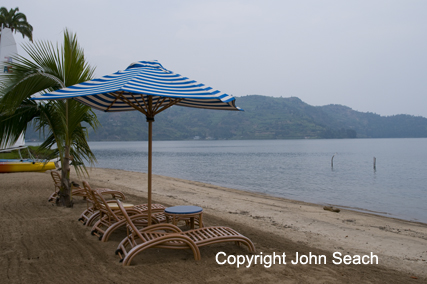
pixel 65 196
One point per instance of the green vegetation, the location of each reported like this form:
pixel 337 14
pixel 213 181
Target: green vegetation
pixel 263 118
pixel 36 151
pixel 41 153
pixel 50 68
pixel 16 22
pixel 370 125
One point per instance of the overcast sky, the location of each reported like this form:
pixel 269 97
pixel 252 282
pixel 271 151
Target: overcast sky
pixel 369 55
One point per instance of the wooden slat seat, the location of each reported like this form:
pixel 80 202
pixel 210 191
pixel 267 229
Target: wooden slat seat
pixel 114 206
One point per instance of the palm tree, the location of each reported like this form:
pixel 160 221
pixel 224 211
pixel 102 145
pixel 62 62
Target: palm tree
pixel 16 22
pixel 49 69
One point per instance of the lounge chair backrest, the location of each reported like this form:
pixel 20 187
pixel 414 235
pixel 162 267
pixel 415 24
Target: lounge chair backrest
pixel 98 201
pixel 56 179
pixel 89 194
pixel 103 205
pixel 134 230
pixel 89 191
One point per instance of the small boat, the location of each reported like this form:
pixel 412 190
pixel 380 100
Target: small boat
pixel 7 51
pixel 24 164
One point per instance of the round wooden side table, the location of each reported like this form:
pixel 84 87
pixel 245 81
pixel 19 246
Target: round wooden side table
pixel 188 213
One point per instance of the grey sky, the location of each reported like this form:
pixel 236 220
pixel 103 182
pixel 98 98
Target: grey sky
pixel 368 55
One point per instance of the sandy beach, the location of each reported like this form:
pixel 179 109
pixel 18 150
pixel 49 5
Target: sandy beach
pixel 43 243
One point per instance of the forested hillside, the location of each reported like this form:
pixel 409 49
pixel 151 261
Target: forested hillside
pixel 263 118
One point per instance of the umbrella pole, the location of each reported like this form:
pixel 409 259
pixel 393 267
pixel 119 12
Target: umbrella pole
pixel 150 147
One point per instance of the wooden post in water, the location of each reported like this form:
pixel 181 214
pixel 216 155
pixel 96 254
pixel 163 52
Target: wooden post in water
pixel 375 163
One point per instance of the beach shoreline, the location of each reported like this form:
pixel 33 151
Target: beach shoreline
pixel 37 235
pixel 349 231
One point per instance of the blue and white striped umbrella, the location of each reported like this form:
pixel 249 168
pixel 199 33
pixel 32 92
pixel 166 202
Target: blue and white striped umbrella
pixel 147 87
pixel 144 86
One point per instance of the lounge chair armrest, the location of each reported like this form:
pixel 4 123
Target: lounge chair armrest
pixel 112 192
pixel 139 216
pixel 130 211
pixel 163 226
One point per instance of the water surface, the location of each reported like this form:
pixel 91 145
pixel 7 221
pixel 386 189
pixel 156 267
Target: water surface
pixel 295 169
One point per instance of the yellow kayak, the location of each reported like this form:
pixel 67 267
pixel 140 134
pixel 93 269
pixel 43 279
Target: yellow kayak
pixel 13 165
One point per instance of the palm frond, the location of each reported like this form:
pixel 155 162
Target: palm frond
pixel 16 22
pixel 49 68
pixel 13 124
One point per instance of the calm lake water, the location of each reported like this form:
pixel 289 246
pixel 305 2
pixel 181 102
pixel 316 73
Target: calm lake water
pixel 294 169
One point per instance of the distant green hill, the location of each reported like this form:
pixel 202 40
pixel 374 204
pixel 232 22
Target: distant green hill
pixel 375 126
pixel 263 118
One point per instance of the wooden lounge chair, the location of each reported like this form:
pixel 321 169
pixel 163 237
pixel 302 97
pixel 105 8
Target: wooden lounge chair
pixel 76 189
pixel 91 214
pixel 150 237
pixel 111 217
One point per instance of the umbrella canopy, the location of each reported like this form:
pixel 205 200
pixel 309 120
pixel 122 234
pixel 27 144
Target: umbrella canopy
pixel 148 87
pixel 131 89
